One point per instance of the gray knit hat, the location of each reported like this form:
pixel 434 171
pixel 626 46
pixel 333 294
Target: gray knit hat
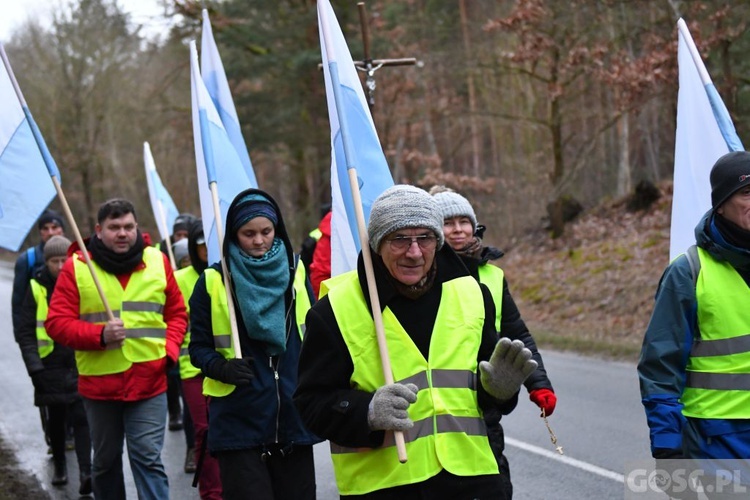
pixel 453 204
pixel 57 246
pixel 400 207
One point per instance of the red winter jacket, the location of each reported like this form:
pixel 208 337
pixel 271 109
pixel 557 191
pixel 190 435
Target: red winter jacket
pixel 320 268
pixel 142 380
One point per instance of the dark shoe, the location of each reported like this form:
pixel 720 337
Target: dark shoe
pixel 175 423
pixel 60 478
pixel 85 485
pixel 190 461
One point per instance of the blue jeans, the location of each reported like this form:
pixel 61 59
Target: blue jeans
pixel 142 423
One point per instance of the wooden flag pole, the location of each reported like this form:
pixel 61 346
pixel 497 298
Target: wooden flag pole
pixel 82 246
pixel 225 270
pixel 56 183
pixel 362 230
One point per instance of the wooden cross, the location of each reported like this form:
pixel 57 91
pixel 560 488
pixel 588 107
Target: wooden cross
pixel 369 65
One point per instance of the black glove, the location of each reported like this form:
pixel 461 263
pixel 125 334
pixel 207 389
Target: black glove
pixel 233 371
pixel 665 453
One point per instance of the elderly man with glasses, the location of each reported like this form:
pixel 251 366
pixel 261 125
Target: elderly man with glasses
pixel 447 361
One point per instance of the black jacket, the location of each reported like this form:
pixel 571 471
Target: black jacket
pixel 328 405
pixel 55 377
pixel 21 277
pixel 261 413
pixel 511 323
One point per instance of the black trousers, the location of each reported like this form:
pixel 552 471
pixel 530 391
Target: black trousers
pixel 270 473
pixel 58 418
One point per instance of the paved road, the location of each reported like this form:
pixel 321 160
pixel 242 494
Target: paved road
pixel 599 423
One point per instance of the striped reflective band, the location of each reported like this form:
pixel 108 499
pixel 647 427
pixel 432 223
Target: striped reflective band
pixel 444 379
pixel 40 323
pixel 154 307
pixel 222 341
pixel 719 381
pixel 139 333
pixel 721 347
pixel 472 426
pixel 184 351
pixel 43 343
pixel 101 317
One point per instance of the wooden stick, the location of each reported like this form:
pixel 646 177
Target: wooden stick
pixel 362 229
pixel 82 246
pixel 227 279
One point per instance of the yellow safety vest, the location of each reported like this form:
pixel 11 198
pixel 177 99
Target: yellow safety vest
pixel 222 329
pixel 718 369
pixel 140 306
pixel 186 279
pixel 449 432
pixel 327 285
pixel 44 343
pixel 493 276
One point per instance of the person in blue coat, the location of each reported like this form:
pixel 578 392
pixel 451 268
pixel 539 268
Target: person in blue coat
pixel 263 449
pixel 695 359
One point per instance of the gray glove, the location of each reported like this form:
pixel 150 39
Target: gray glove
pixel 388 407
pixel 509 365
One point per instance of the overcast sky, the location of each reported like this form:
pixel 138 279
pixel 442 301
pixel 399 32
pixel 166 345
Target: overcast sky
pixel 14 13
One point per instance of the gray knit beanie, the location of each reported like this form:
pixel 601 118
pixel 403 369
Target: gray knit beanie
pixel 57 246
pixel 400 207
pixel 453 204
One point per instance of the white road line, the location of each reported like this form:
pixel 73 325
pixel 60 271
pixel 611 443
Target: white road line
pixel 599 471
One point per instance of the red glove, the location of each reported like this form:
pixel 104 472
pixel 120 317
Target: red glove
pixel 544 399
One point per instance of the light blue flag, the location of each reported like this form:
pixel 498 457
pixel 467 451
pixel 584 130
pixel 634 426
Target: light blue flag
pixel 165 211
pixel 704 133
pixel 215 79
pixel 351 124
pixel 26 166
pixel 216 160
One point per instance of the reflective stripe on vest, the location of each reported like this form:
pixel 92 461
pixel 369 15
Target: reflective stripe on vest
pixel 44 343
pixel 718 370
pixel 493 276
pixel 140 307
pixel 186 279
pixel 449 432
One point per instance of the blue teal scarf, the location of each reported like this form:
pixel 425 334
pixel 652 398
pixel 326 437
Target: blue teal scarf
pixel 260 285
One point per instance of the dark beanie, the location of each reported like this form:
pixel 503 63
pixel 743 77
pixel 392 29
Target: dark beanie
pixel 251 206
pixel 182 222
pixel 50 216
pixel 730 173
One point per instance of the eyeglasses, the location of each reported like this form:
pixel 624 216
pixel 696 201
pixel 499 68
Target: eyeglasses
pixel 403 243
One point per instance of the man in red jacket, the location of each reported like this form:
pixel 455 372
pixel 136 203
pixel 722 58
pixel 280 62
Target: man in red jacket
pixel 122 360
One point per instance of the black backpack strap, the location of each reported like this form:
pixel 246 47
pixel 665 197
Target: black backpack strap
pixel 694 261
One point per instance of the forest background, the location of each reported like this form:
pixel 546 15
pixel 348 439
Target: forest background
pixel 528 107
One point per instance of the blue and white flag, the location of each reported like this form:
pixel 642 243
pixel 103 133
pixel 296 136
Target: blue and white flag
pixel 215 79
pixel 165 211
pixel 216 159
pixel 704 133
pixel 351 123
pixel 26 166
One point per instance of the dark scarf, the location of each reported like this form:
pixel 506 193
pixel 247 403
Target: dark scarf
pixel 473 249
pixel 732 233
pixel 116 263
pixel 260 285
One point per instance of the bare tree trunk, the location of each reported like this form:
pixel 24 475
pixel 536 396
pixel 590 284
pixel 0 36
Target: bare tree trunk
pixel 624 174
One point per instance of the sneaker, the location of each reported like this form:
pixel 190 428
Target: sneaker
pixel 175 423
pixel 190 461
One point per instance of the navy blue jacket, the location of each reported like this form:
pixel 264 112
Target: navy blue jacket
pixel 261 413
